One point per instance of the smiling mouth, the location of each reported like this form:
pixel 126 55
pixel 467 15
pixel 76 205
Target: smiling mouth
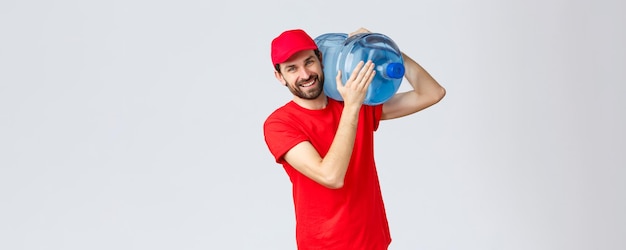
pixel 309 83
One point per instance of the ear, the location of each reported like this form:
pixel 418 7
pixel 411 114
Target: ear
pixel 320 56
pixel 280 78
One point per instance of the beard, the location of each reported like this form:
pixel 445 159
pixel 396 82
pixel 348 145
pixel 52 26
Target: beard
pixel 311 93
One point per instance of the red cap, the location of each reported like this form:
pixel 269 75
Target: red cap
pixel 289 43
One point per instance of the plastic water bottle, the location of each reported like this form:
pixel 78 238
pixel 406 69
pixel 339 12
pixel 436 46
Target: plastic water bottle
pixel 340 52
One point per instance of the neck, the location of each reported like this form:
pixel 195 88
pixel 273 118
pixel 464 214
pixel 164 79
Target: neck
pixel 318 103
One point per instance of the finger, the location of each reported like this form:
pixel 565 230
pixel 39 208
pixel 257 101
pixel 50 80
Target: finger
pixel 363 73
pixel 366 75
pixel 356 72
pixel 338 79
pixel 370 78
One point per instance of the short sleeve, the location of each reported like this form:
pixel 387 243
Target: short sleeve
pixel 281 136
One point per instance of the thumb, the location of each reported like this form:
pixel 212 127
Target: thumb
pixel 338 79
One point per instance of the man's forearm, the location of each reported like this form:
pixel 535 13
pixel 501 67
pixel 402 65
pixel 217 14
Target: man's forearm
pixel 338 157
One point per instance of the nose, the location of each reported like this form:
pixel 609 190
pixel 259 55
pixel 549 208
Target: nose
pixel 304 73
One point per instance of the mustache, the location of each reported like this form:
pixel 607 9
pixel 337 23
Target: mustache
pixel 312 77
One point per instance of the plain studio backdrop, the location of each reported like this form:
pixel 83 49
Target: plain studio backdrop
pixel 138 124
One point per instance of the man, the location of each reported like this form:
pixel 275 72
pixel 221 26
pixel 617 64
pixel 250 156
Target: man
pixel 326 146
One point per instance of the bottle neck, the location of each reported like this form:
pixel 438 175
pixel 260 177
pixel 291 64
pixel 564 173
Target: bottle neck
pixel 391 70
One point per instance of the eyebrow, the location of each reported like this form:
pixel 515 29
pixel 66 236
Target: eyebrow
pixel 305 60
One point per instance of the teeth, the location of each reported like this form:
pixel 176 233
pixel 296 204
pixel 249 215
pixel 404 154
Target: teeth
pixel 309 84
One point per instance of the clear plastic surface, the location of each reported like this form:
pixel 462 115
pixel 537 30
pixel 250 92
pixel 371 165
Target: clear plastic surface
pixel 340 52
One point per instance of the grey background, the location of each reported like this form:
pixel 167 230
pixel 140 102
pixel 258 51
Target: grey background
pixel 137 124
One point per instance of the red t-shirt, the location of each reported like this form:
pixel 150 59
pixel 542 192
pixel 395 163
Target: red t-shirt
pixel 352 217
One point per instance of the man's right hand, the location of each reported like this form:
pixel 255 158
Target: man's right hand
pixel 355 89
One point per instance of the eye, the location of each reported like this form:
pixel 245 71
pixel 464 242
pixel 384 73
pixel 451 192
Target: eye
pixel 290 69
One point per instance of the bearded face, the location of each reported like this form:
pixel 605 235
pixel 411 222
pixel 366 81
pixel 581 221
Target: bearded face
pixel 309 88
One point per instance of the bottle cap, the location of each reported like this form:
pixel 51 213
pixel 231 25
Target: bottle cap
pixel 395 70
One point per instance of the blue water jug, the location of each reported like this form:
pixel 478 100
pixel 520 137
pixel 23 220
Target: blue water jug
pixel 340 52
